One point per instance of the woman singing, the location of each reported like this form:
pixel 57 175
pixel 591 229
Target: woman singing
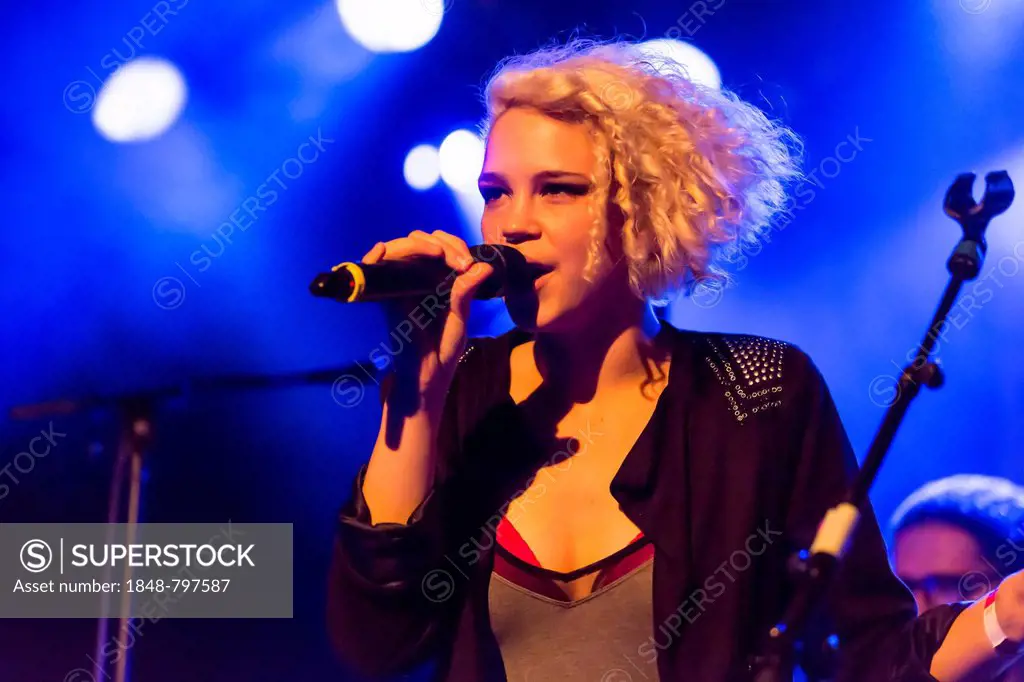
pixel 597 495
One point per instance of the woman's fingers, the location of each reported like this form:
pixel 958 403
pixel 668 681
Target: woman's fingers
pixel 375 254
pixel 457 253
pixel 418 243
pixel 465 286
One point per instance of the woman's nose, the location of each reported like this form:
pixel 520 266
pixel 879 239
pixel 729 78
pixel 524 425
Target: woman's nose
pixel 520 225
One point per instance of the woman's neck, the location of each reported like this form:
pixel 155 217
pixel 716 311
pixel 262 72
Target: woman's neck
pixel 606 355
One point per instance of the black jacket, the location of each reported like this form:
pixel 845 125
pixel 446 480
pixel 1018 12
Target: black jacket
pixel 752 445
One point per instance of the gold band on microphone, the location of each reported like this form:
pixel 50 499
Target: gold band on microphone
pixel 358 280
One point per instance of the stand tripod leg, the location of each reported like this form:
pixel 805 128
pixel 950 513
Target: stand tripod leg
pixel 134 437
pixel 124 451
pixel 134 494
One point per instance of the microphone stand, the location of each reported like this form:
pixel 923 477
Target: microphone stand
pixel 136 410
pixel 816 567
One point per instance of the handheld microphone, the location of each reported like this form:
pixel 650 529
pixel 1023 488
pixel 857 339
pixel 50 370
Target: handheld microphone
pixel 357 282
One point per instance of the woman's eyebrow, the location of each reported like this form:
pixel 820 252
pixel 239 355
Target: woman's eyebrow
pixel 561 175
pixel 493 178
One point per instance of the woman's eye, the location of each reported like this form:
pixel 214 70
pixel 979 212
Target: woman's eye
pixel 491 193
pixel 566 188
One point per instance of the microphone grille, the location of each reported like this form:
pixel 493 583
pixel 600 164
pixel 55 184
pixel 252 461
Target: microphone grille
pixel 506 261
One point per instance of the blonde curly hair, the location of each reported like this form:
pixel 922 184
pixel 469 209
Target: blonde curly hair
pixel 694 171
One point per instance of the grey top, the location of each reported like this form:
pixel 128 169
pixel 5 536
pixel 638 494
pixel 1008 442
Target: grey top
pixel 603 637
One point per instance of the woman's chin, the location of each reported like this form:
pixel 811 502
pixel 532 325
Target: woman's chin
pixel 527 311
pixel 523 311
pixel 533 315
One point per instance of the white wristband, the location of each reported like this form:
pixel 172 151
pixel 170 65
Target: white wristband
pixel 1002 645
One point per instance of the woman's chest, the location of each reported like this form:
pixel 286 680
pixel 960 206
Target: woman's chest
pixel 567 514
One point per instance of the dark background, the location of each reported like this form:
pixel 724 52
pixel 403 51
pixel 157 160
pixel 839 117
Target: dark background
pixel 90 227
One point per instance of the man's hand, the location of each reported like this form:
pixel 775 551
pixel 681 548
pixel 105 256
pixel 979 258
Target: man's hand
pixel 1010 606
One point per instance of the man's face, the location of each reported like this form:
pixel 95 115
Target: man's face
pixel 941 564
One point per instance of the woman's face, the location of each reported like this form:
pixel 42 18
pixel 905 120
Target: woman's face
pixel 537 185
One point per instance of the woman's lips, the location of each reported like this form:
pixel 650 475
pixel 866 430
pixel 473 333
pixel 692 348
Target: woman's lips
pixel 538 282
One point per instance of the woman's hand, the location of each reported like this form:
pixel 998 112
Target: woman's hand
pixel 400 473
pixel 437 328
